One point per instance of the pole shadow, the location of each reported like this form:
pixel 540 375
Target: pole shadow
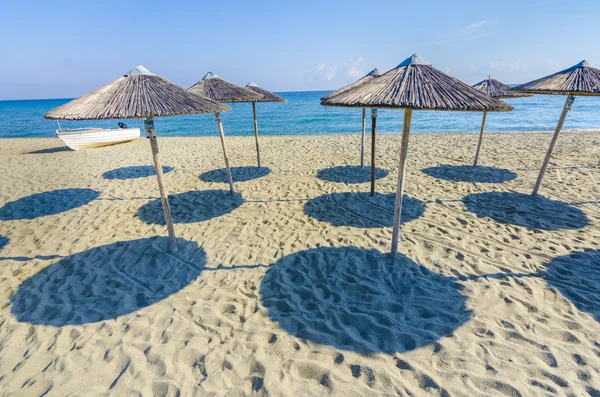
pixel 106 282
pixel 3 242
pixel 134 172
pixel 192 206
pixel 361 300
pixel 239 174
pixel 469 173
pixel 577 277
pixel 51 150
pixel 350 174
pixel 362 210
pixel 46 203
pixel 534 212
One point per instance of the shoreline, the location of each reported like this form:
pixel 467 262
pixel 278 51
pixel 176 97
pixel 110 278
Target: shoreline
pixel 367 133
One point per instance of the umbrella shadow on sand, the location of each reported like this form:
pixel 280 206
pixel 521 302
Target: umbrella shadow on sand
pixel 350 174
pixel 192 206
pixel 361 300
pixel 238 174
pixel 469 173
pixel 47 203
pixel 362 210
pixel 134 172
pixel 534 212
pixel 3 242
pixel 106 282
pixel 577 277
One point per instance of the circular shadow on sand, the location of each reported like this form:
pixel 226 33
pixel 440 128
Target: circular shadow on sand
pixel 469 173
pixel 190 207
pixel 239 174
pixel 46 203
pixel 350 174
pixel 3 242
pixel 577 277
pixel 107 282
pixel 133 172
pixel 362 210
pixel 535 212
pixel 361 300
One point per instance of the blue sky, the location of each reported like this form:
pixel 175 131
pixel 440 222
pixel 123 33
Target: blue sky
pixel 63 49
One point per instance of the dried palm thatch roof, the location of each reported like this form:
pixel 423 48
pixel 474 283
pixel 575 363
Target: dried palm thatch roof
pixel 366 78
pixel 496 89
pixel 140 93
pixel 267 96
pixel 581 79
pixel 214 87
pixel 415 84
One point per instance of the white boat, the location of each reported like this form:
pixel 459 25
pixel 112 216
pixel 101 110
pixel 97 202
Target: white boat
pixel 85 138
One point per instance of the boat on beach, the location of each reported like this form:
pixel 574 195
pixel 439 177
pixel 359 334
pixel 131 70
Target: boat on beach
pixel 87 138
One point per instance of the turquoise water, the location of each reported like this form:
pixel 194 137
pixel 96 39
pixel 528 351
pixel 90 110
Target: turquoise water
pixel 303 114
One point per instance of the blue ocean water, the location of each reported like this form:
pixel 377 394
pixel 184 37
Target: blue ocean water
pixel 303 114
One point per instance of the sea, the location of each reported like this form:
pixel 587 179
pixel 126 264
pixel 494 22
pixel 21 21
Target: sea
pixel 303 114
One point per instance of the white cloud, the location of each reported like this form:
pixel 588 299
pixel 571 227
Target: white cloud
pixel 334 75
pixel 325 72
pixel 505 67
pixel 471 32
pixel 352 70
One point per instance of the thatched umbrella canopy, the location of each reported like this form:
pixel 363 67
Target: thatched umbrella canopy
pixel 365 79
pixel 495 89
pixel 415 84
pixel 214 87
pixel 582 79
pixel 139 94
pixel 267 96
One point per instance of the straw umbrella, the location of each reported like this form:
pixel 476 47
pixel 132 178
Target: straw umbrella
pixel 495 89
pixel 267 96
pixel 365 79
pixel 582 79
pixel 215 88
pixel 414 85
pixel 139 94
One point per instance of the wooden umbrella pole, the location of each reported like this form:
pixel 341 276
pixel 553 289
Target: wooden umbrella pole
pixel 400 187
pixel 373 128
pixel 362 139
pixel 563 116
pixel 149 127
pixel 480 139
pixel 256 133
pixel 222 136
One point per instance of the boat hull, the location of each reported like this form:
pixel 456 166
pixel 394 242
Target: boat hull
pixel 88 139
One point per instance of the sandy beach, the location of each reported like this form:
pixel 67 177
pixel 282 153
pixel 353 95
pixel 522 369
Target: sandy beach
pixel 286 288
